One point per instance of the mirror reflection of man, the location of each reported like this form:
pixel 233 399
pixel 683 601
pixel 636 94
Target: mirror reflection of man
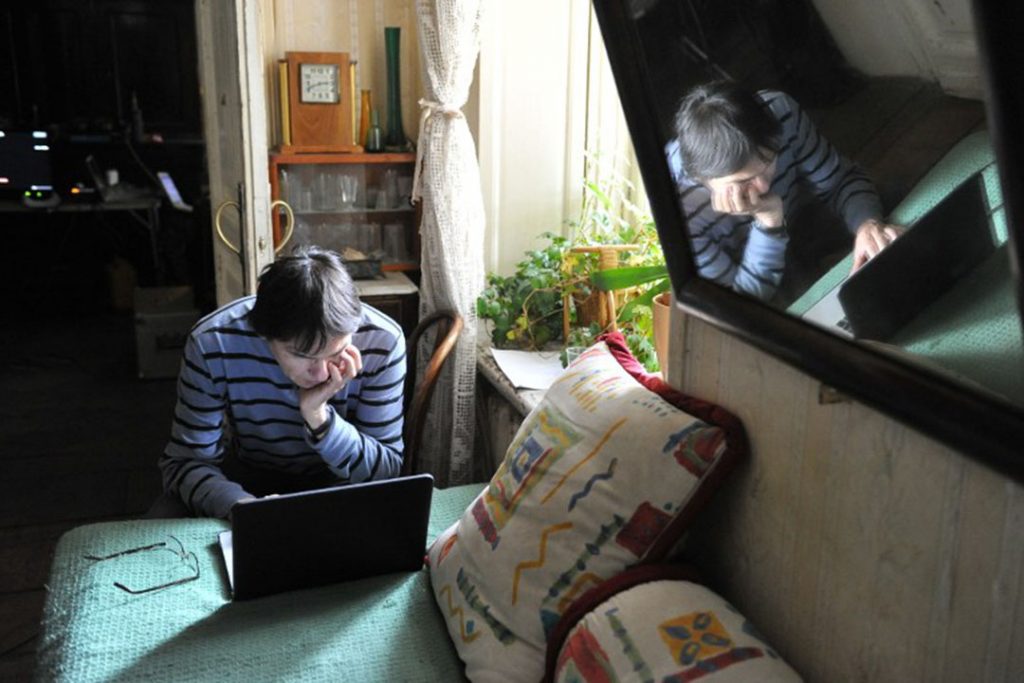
pixel 296 388
pixel 742 162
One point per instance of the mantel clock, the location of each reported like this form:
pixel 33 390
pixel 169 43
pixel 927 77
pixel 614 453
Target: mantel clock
pixel 320 103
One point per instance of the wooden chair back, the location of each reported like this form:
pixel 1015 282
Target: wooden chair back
pixel 417 398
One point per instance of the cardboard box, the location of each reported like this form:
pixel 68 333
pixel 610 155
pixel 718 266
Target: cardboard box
pixel 163 318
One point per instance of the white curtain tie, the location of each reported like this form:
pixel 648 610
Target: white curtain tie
pixel 427 109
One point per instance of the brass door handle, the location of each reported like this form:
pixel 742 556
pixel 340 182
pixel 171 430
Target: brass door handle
pixel 289 228
pixel 220 230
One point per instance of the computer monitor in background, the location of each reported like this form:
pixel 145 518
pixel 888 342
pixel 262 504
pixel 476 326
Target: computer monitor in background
pixel 25 165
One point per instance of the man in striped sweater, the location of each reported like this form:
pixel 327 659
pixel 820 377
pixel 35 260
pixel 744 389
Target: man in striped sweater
pixel 744 164
pixel 298 387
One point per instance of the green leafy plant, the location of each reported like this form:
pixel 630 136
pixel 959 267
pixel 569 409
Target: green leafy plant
pixel 526 309
pixel 653 279
pixel 636 317
pixel 612 218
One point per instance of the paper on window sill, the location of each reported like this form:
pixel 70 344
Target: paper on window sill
pixel 529 369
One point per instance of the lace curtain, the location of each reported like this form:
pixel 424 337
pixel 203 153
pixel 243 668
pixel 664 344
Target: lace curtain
pixel 451 232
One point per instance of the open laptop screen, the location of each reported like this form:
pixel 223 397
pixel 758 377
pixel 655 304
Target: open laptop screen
pixel 312 538
pixel 923 264
pixel 914 270
pixel 170 190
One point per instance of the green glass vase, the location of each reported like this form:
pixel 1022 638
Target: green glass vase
pixel 394 136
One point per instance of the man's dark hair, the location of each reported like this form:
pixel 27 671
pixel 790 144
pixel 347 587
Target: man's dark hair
pixel 307 298
pixel 721 126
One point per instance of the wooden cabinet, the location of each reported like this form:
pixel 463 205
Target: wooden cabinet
pixel 358 202
pixel 350 202
pixel 394 295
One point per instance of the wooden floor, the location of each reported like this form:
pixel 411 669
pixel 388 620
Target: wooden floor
pixel 80 438
pixel 898 128
pixel 81 434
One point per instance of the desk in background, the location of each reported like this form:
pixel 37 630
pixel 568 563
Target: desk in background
pixel 144 211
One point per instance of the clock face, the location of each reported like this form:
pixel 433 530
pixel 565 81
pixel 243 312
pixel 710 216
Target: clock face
pixel 318 83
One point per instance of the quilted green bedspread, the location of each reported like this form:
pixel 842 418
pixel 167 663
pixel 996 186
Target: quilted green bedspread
pixel 386 628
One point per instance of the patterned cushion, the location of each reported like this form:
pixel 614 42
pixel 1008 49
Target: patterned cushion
pixel 607 472
pixel 670 631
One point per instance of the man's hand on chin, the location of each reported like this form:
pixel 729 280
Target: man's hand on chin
pixel 313 400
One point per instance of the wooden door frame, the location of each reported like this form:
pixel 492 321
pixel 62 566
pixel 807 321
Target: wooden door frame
pixel 246 176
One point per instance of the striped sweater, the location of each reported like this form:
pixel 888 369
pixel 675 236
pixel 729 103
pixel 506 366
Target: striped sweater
pixel 725 247
pixel 231 387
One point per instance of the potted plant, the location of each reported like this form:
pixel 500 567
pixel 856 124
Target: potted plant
pixel 526 308
pixel 655 294
pixel 547 298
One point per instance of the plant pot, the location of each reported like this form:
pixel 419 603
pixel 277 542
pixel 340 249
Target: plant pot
pixel 662 313
pixel 591 309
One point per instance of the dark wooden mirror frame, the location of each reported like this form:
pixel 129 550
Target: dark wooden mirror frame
pixel 980 425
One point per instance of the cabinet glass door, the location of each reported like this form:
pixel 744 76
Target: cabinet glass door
pixel 359 208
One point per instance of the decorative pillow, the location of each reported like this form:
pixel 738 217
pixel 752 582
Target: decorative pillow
pixel 669 631
pixel 606 472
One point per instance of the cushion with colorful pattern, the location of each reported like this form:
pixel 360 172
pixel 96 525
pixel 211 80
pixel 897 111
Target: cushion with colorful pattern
pixel 607 472
pixel 667 630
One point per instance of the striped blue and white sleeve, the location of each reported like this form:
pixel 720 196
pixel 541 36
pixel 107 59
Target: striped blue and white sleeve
pixel 764 262
pixel 190 464
pixel 366 443
pixel 835 179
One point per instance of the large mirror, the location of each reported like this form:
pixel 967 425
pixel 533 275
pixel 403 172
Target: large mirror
pixel 833 181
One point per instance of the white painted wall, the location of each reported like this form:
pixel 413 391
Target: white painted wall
pixel 862 549
pixel 932 39
pixel 530 122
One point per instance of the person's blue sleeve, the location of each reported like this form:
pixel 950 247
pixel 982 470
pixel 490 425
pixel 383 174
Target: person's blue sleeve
pixel 367 443
pixel 764 261
pixel 835 179
pixel 190 464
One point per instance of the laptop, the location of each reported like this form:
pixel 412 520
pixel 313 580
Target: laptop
pixel 121 192
pixel 170 190
pixel 924 263
pixel 314 538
